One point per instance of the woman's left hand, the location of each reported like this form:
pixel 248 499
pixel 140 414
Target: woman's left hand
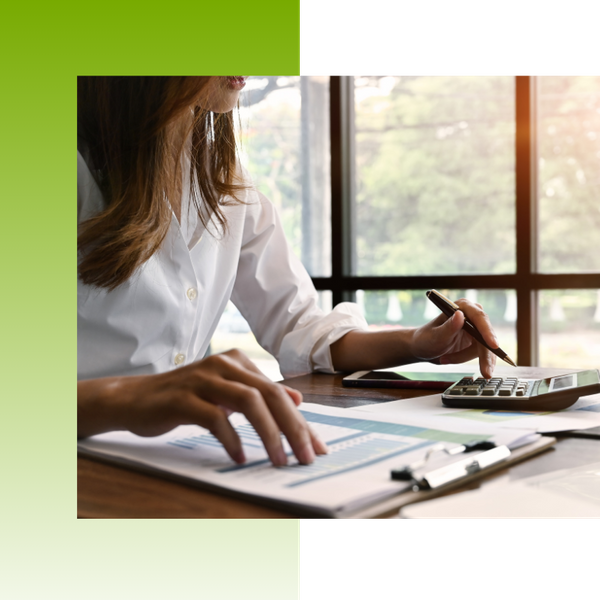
pixel 444 340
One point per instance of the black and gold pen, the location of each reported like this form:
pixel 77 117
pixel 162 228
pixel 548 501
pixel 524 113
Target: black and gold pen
pixel 449 308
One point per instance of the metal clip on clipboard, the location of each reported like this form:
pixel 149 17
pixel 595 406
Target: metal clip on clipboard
pixel 452 472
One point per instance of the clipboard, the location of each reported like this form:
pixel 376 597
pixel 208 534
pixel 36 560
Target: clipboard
pixel 389 508
pixel 354 481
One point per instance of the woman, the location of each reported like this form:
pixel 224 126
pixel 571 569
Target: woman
pixel 171 229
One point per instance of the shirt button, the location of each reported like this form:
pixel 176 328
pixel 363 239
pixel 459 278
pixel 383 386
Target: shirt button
pixel 192 293
pixel 179 358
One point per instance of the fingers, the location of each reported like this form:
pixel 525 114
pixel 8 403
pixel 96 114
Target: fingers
pixel 318 444
pixel 218 424
pixel 487 360
pixel 250 402
pixel 241 358
pixel 460 356
pixel 453 325
pixel 475 313
pixel 477 316
pixel 269 407
pixel 460 346
pixel 190 410
pixel 295 395
pixel 437 337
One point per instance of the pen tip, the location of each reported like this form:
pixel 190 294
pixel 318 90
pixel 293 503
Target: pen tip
pixel 509 361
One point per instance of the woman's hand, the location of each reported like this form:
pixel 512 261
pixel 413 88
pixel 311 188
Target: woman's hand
pixel 203 393
pixel 442 340
pixel 445 341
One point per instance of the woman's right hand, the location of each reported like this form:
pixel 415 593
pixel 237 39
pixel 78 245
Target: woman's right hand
pixel 203 393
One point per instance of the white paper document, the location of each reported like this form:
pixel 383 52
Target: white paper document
pixel 363 449
pixel 429 410
pixel 568 493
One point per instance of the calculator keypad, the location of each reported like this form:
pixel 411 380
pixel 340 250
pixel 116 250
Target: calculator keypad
pixel 494 387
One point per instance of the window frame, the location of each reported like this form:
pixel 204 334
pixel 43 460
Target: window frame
pixel 526 281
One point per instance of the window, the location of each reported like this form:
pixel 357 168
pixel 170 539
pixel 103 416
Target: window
pixel 285 147
pixel 484 187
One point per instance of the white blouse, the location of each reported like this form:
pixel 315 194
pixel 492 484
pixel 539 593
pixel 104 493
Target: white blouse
pixel 164 316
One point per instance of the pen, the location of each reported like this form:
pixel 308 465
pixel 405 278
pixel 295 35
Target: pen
pixel 406 473
pixel 449 308
pixel 457 470
pixel 454 471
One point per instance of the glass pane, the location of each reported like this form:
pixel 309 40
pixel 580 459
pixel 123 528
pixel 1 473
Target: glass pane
pixel 570 329
pixel 435 175
pixel 569 174
pixel 234 332
pixel 411 308
pixel 285 146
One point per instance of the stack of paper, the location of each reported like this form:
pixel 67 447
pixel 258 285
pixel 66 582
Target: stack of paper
pixel 363 449
pixel 561 494
pixel 429 409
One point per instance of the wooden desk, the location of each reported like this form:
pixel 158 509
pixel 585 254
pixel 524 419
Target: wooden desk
pixel 107 491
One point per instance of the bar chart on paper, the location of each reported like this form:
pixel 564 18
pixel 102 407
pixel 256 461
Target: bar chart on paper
pixel 362 448
pixel 353 444
pixel 246 432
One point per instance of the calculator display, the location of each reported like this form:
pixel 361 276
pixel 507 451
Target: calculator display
pixel 560 383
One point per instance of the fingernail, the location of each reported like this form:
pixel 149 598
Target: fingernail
pixel 317 443
pixel 306 455
pixel 280 458
pixel 321 447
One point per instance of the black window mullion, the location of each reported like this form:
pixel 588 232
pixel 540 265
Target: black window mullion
pixel 539 281
pixel 526 281
pixel 526 222
pixel 342 186
pixel 335 120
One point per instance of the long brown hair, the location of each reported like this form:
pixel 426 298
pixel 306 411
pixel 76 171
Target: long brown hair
pixel 127 126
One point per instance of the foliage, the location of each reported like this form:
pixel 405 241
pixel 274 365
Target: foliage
pixel 435 178
pixel 569 173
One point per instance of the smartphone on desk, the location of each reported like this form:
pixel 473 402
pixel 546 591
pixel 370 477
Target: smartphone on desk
pixel 430 380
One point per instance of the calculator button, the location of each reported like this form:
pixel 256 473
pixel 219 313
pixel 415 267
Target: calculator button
pixel 520 392
pixel 455 392
pixel 488 392
pixel 504 392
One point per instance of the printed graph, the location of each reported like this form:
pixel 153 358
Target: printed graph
pixel 247 434
pixel 359 443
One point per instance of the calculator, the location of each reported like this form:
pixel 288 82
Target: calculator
pixel 514 393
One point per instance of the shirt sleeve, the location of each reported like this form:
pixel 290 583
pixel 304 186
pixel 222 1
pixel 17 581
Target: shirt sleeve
pixel 276 296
